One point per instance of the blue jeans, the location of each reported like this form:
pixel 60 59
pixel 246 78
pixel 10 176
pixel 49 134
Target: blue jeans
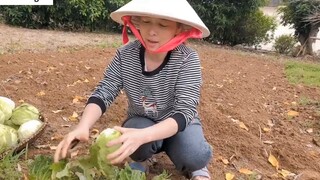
pixel 188 150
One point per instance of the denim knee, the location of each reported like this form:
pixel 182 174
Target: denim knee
pixel 146 151
pixel 194 161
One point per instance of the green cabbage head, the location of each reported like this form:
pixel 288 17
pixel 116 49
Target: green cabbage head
pixel 101 145
pixel 8 137
pixel 24 113
pixel 2 117
pixel 27 129
pixel 6 107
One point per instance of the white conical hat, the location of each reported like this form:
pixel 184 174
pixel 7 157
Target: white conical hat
pixel 174 10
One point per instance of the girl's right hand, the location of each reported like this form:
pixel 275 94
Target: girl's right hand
pixel 79 133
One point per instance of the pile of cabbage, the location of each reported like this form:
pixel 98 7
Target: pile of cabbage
pixel 17 123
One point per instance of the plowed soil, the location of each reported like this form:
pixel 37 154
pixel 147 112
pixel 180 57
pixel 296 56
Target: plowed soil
pixel 244 105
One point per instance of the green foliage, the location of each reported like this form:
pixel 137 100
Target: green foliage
pixel 255 29
pixel 39 168
pixel 231 22
pixel 68 15
pixel 295 12
pixel 284 44
pixel 42 168
pixel 305 73
pixel 9 166
pixel 234 22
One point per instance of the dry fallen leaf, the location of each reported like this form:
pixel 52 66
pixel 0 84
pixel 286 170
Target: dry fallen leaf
pixel 229 176
pixel 74 83
pixel 273 161
pixel 293 113
pixel 266 129
pixel 286 174
pixel 65 119
pixel 74 153
pixel 78 99
pixel 268 142
pixel 243 126
pixel 53 147
pixel 294 103
pixel 245 171
pixel 225 161
pixel 42 146
pixel 74 117
pixel 87 67
pixel 94 133
pixel 309 130
pixel 41 93
pixel 56 111
pixel 270 123
pixel 56 137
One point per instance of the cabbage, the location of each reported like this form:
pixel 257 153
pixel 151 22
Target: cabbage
pixel 10 103
pixel 8 137
pixel 2 117
pixel 10 123
pixel 24 113
pixel 101 145
pixel 6 107
pixel 26 130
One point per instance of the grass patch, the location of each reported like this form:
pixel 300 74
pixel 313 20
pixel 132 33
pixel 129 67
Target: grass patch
pixel 304 73
pixel 304 101
pixel 9 166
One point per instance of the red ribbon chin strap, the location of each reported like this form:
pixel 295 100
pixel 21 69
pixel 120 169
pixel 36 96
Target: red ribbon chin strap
pixel 173 43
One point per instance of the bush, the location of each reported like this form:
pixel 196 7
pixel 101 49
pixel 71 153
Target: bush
pixel 284 44
pixel 234 22
pixel 66 15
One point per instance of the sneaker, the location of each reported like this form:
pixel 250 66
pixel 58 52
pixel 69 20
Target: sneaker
pixel 139 166
pixel 201 174
pixel 143 166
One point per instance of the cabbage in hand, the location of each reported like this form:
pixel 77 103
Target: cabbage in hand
pixel 99 149
pixel 24 113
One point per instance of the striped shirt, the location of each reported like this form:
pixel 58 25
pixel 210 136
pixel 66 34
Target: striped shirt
pixel 171 90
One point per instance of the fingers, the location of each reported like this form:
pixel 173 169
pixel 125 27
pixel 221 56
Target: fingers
pixel 62 149
pixel 122 157
pixel 119 155
pixel 57 155
pixel 115 141
pixel 121 129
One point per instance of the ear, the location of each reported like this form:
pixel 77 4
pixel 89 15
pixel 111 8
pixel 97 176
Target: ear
pixel 179 29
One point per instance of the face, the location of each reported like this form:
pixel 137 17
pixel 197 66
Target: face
pixel 156 32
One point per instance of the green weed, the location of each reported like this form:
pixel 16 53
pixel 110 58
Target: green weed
pixel 301 72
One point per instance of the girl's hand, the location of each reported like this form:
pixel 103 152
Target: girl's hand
pixel 80 133
pixel 131 139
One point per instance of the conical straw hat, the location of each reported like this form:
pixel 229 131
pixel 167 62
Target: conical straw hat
pixel 174 10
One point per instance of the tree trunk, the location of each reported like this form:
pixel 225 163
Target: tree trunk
pixel 313 33
pixel 306 42
pixel 303 41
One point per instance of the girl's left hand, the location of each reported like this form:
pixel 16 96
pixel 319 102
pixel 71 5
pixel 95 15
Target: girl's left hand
pixel 131 139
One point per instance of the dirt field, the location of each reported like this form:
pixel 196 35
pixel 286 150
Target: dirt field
pixel 56 71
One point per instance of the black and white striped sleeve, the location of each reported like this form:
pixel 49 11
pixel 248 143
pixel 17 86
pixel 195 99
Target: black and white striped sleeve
pixel 109 87
pixel 187 92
